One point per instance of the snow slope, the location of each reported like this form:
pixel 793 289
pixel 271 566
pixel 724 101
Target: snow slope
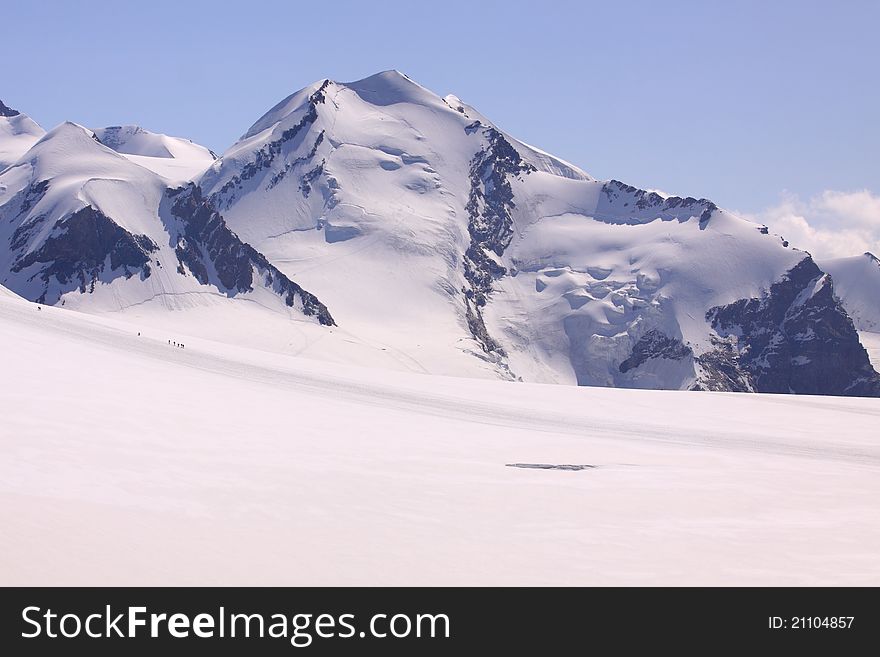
pixel 857 283
pixel 176 159
pixel 127 461
pixel 18 132
pixel 9 293
pixel 377 226
pixel 872 344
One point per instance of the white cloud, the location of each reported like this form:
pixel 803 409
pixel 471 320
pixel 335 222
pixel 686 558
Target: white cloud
pixel 830 225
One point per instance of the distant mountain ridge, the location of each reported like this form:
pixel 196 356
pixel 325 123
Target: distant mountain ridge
pixel 434 241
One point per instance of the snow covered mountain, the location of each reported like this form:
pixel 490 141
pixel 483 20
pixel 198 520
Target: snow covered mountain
pixel 440 244
pixel 18 133
pixel 425 225
pixel 174 158
pixel 83 226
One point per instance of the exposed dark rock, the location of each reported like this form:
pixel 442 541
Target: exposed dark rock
pixel 490 225
pixel 207 245
pixel 8 112
pixel 471 128
pixel 721 369
pixel 796 338
pixel 641 199
pixel 305 183
pixel 22 235
pixel 278 177
pixel 267 154
pixel 655 344
pixel 79 249
pixel 25 200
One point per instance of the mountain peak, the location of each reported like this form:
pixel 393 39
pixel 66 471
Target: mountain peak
pixel 870 256
pixel 391 87
pixel 7 112
pixel 133 140
pixel 69 129
pixel 70 146
pixel 18 132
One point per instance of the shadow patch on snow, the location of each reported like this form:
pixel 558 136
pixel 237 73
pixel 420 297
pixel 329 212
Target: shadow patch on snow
pixel 336 233
pixel 550 466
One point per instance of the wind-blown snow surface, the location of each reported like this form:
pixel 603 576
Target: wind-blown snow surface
pixel 176 159
pixel 128 461
pixel 857 283
pixel 18 132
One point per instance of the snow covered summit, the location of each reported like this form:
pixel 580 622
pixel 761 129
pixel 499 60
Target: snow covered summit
pixel 429 228
pixel 83 226
pixel 174 158
pixel 441 244
pixel 18 132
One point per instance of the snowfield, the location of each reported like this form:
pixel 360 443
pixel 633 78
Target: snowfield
pixel 871 341
pixel 176 159
pixel 128 461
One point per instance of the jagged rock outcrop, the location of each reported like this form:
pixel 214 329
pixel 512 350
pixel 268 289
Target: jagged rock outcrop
pixel 651 205
pixel 206 244
pixel 7 112
pixel 721 370
pixel 83 248
pixel 490 224
pixel 655 344
pixel 796 338
pixel 264 157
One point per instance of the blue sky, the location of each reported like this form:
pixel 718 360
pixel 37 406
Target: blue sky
pixel 736 101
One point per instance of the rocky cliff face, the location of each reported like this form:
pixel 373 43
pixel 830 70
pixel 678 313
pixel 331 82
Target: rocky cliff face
pixel 82 249
pixel 266 155
pixel 205 245
pixel 7 112
pixel 490 224
pixel 643 205
pixel 796 338
pixel 655 344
